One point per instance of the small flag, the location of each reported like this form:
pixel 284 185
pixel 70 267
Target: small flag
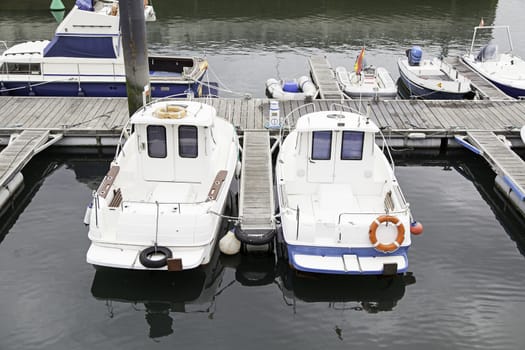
pixel 481 22
pixel 358 66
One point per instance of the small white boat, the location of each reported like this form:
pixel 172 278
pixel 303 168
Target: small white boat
pixel 505 70
pixel 342 210
pixel 371 83
pixel 159 205
pixel 302 88
pixel 432 78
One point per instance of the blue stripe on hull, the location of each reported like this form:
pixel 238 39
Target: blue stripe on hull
pixel 428 94
pixel 508 90
pixel 94 89
pixel 339 252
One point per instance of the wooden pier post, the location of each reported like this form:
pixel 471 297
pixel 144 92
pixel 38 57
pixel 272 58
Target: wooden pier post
pixel 135 48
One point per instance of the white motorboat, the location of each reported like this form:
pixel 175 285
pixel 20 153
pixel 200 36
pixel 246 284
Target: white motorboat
pixel 159 205
pixel 85 58
pixel 302 88
pixel 505 70
pixel 432 79
pixel 371 83
pixel 342 210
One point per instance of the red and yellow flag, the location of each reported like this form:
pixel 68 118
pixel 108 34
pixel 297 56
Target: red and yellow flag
pixel 358 66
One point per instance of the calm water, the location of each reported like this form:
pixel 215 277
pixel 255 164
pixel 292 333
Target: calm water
pixel 465 289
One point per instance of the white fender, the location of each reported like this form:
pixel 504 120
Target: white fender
pixel 229 244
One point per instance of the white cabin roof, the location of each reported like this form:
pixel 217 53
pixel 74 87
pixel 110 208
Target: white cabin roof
pixel 335 120
pixel 27 48
pixel 196 113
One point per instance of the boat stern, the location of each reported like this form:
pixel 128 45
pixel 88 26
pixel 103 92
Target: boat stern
pixel 129 257
pixel 347 262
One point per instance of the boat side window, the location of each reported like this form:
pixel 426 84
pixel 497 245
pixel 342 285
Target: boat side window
pixel 22 68
pixel 156 141
pixel 352 145
pixel 188 141
pixel 321 145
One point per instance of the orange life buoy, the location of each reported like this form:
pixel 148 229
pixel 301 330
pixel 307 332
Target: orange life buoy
pixel 171 112
pixel 386 247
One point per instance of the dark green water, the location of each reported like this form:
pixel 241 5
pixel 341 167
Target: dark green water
pixel 465 289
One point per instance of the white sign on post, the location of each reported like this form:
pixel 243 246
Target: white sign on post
pixel 275 120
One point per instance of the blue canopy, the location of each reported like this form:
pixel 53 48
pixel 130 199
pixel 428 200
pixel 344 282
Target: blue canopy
pixel 74 46
pixel 86 5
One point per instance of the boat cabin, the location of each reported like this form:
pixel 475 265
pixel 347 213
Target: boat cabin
pixel 333 147
pixel 175 142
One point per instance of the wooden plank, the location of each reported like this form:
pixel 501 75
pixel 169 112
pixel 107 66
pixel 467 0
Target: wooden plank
pixel 45 106
pixel 29 111
pixel 7 109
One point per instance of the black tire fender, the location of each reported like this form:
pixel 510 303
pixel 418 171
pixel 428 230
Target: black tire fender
pixel 145 257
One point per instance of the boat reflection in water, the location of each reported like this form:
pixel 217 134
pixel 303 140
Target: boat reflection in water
pixel 370 293
pixel 161 292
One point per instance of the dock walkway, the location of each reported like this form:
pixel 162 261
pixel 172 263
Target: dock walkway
pixel 502 159
pixel 324 78
pixel 18 153
pixel 99 121
pixel 256 201
pixel 485 88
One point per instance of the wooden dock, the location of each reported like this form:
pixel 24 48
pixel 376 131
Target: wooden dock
pixel 99 121
pixel 324 78
pixel 256 201
pixel 485 88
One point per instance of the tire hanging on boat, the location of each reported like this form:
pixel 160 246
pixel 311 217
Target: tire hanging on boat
pixel 386 247
pixel 146 254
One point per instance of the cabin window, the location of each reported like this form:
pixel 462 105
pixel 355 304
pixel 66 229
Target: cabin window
pixel 352 145
pixel 321 145
pixel 21 68
pixel 156 141
pixel 188 141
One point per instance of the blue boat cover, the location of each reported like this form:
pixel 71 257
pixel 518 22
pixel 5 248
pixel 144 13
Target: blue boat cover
pixel 74 46
pixel 414 55
pixel 291 86
pixel 86 5
pixel 487 52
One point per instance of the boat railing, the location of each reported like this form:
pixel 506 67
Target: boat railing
pixel 343 107
pixel 507 29
pixel 387 147
pixel 124 135
pixel 403 211
pixel 287 125
pixel 4 44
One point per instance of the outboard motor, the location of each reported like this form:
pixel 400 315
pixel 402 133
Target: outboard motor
pixel 414 55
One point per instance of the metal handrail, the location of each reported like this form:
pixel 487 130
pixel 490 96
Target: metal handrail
pixel 490 27
pixel 287 121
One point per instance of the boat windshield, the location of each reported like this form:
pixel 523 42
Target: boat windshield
pixel 487 52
